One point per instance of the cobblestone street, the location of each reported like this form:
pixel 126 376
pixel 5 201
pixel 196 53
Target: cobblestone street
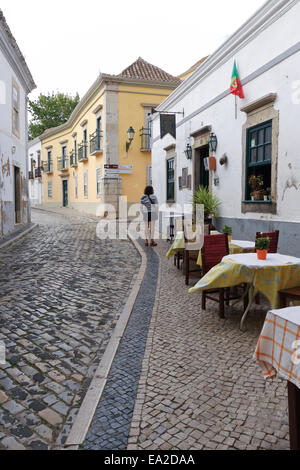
pixel 61 292
pixel 199 387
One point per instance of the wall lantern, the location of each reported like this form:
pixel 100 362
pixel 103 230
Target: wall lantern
pixel 130 134
pixel 189 152
pixel 213 142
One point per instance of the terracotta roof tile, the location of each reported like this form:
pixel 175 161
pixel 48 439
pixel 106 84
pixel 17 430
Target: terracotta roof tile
pixel 143 70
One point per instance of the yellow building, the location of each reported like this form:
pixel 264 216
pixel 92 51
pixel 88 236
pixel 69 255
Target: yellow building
pixel 87 161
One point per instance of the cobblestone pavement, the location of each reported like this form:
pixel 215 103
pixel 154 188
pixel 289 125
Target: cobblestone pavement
pixel 111 424
pixel 61 292
pixel 199 387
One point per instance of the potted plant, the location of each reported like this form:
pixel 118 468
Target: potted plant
pixel 228 230
pixel 252 197
pixel 257 184
pixel 262 247
pixel 203 196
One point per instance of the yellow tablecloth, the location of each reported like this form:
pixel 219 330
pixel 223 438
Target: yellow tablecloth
pixel 268 280
pixel 179 245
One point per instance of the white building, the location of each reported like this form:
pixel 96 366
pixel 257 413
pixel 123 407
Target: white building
pixel 16 83
pixel 35 183
pixel 260 138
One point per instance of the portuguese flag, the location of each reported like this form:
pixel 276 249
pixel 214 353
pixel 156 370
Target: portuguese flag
pixel 236 85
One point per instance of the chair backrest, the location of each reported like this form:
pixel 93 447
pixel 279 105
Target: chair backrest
pixel 274 238
pixel 214 249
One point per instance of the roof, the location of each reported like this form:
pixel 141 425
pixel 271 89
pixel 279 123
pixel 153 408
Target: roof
pixel 25 72
pixel 193 68
pixel 143 70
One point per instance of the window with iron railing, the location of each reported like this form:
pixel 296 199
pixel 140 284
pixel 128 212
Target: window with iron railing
pixel 38 172
pixel 145 135
pixel 82 151
pixel 95 141
pixel 73 158
pixel 48 166
pixel 30 175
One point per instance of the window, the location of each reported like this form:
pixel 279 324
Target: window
pixel 171 180
pixel 76 187
pixel 259 155
pixel 15 109
pixel 98 182
pixel 85 184
pixel 64 157
pixel 49 189
pixel 49 160
pixel 85 142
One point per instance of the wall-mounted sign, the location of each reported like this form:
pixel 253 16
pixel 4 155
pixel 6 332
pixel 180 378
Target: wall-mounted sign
pixel 167 125
pixel 126 169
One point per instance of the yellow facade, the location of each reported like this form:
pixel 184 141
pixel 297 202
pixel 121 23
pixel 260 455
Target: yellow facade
pixel 120 103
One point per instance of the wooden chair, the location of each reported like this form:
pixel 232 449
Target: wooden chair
pixel 287 295
pixel 214 249
pixel 191 257
pixel 274 238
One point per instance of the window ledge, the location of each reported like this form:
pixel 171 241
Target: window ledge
pixel 261 207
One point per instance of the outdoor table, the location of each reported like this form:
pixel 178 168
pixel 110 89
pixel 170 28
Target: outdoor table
pixel 278 353
pixel 236 246
pixel 267 277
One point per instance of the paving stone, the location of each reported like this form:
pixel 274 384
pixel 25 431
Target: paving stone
pixel 11 443
pixel 13 407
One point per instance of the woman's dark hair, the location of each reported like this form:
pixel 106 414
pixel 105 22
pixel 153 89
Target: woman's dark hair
pixel 149 191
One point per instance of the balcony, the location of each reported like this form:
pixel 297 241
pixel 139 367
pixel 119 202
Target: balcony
pixel 73 159
pixel 145 135
pixel 83 152
pixel 48 166
pixel 38 172
pixel 30 175
pixel 95 142
pixel 62 164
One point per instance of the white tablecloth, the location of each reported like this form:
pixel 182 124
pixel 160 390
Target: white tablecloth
pixel 251 261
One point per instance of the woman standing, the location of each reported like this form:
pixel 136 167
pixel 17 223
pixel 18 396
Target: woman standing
pixel 149 205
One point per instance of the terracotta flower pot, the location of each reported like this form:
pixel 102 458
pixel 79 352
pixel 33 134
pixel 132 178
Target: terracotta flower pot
pixel 262 254
pixel 258 195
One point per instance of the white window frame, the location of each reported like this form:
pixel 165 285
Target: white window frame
pixel 98 180
pixel 15 109
pixel 85 185
pixel 50 189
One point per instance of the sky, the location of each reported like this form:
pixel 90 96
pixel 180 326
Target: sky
pixel 67 43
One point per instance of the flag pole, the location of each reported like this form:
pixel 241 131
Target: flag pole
pixel 235 106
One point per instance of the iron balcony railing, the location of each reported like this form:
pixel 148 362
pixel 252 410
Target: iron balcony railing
pixel 48 166
pixel 95 141
pixel 145 135
pixel 83 151
pixel 62 163
pixel 30 175
pixel 38 172
pixel 73 158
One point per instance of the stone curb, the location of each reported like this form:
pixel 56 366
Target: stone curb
pixel 141 390
pixel 86 413
pixel 18 237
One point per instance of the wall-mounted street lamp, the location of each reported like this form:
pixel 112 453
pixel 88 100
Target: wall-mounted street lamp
pixel 213 142
pixel 189 152
pixel 130 134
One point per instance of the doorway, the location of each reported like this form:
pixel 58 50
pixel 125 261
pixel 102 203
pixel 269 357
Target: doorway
pixel 65 193
pixel 201 175
pixel 17 188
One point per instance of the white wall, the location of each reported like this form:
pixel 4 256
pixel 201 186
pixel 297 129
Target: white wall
pixel 12 150
pixel 259 47
pixel 35 186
